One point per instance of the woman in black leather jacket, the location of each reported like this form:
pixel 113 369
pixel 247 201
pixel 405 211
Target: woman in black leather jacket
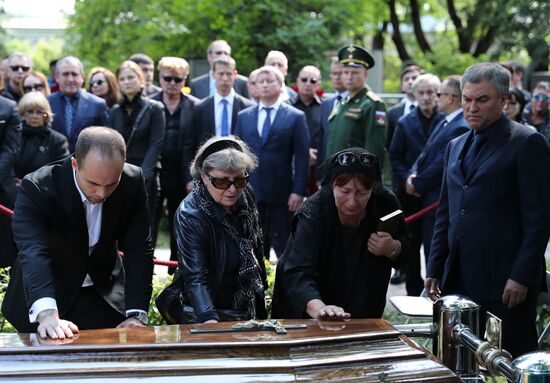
pixel 141 122
pixel 40 145
pixel 218 237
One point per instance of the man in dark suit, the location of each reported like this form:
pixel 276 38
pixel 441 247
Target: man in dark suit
pixel 407 103
pixel 424 181
pixel 176 154
pixel 493 221
pixel 411 135
pixel 19 64
pixel 205 85
pixel 10 145
pixel 147 66
pixel 277 134
pixel 70 219
pixel 74 109
pixel 217 114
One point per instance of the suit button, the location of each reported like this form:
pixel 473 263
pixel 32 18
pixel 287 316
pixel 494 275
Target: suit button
pixel 462 211
pixel 465 187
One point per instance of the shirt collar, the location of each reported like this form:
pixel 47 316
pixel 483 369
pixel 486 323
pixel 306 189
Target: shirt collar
pixel 83 197
pixel 230 97
pixel 275 106
pixel 452 115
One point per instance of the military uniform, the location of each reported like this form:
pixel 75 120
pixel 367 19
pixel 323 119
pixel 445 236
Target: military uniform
pixel 360 121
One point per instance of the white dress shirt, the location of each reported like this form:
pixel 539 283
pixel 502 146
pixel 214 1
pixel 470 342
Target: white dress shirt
pixel 218 110
pixel 262 114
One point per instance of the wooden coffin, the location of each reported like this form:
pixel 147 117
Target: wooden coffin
pixel 353 351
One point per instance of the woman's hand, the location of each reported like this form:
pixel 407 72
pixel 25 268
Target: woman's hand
pixel 318 310
pixel 381 244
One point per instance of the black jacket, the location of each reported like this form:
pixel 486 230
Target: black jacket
pixel 39 147
pixel 322 260
pixel 203 251
pixel 142 132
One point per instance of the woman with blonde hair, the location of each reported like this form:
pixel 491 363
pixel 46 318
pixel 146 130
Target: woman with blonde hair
pixel 40 144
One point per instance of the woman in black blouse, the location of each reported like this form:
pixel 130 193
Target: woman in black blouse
pixel 141 122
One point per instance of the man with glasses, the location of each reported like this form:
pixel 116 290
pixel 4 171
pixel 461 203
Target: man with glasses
pixel 309 82
pixel 424 180
pixel 205 85
pixel 277 134
pixel 409 139
pixel 147 66
pixel 73 109
pixel 360 120
pixel 19 64
pixel 177 150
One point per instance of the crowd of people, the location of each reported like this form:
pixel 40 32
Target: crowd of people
pixel 241 166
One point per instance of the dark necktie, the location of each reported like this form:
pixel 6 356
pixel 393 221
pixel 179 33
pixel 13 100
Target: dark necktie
pixel 69 115
pixel 411 107
pixel 473 152
pixel 267 124
pixel 225 121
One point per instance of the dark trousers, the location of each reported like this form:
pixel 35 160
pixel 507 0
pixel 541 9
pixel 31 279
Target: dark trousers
pixel 410 262
pixel 152 201
pixel 91 311
pixel 173 200
pixel 275 224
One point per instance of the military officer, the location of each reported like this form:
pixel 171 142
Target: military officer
pixel 361 118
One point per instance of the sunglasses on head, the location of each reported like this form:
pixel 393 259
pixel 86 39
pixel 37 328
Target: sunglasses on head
pixel 540 97
pixel 350 159
pixel 96 82
pixel 16 68
pixel 311 80
pixel 176 80
pixel 30 88
pixel 224 183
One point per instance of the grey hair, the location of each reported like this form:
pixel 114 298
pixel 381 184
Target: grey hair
pixel 279 76
pixel 72 59
pixel 427 78
pixel 20 54
pixel 495 74
pixel 228 160
pixel 452 84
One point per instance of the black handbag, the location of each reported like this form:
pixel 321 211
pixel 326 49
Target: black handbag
pixel 175 308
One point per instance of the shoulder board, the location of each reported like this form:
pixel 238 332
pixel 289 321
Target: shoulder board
pixel 373 96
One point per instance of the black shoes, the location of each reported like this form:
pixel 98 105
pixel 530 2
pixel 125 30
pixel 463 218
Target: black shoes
pixel 398 277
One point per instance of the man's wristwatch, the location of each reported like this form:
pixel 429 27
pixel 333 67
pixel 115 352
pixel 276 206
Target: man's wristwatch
pixel 140 316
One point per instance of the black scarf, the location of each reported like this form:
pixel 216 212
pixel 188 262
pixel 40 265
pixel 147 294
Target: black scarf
pixel 250 281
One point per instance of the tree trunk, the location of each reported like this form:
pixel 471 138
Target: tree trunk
pixel 378 39
pixel 396 36
pixel 464 40
pixel 485 42
pixel 418 32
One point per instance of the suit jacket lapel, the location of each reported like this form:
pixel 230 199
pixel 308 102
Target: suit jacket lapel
pixel 279 118
pixel 253 123
pixel 74 209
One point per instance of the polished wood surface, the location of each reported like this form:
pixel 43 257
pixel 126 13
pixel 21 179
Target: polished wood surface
pixel 355 351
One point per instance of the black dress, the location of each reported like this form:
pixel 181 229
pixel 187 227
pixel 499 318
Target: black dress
pixel 39 147
pixel 326 260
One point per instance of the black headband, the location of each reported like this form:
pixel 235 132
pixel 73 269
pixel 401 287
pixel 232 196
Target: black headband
pixel 218 146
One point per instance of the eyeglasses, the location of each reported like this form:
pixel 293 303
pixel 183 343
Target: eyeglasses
pixel 16 68
pixel 224 183
pixel 96 82
pixel 540 97
pixel 30 88
pixel 176 80
pixel 35 113
pixel 311 80
pixel 350 159
pixel 439 94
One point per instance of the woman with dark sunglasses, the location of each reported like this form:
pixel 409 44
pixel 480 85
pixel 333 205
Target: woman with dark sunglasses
pixel 102 83
pixel 34 82
pixel 221 276
pixel 338 260
pixel 537 112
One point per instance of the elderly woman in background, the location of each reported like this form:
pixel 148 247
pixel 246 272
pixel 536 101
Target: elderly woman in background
pixel 35 81
pixel 536 112
pixel 40 145
pixel 141 122
pixel 337 262
pixel 218 237
pixel 102 83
